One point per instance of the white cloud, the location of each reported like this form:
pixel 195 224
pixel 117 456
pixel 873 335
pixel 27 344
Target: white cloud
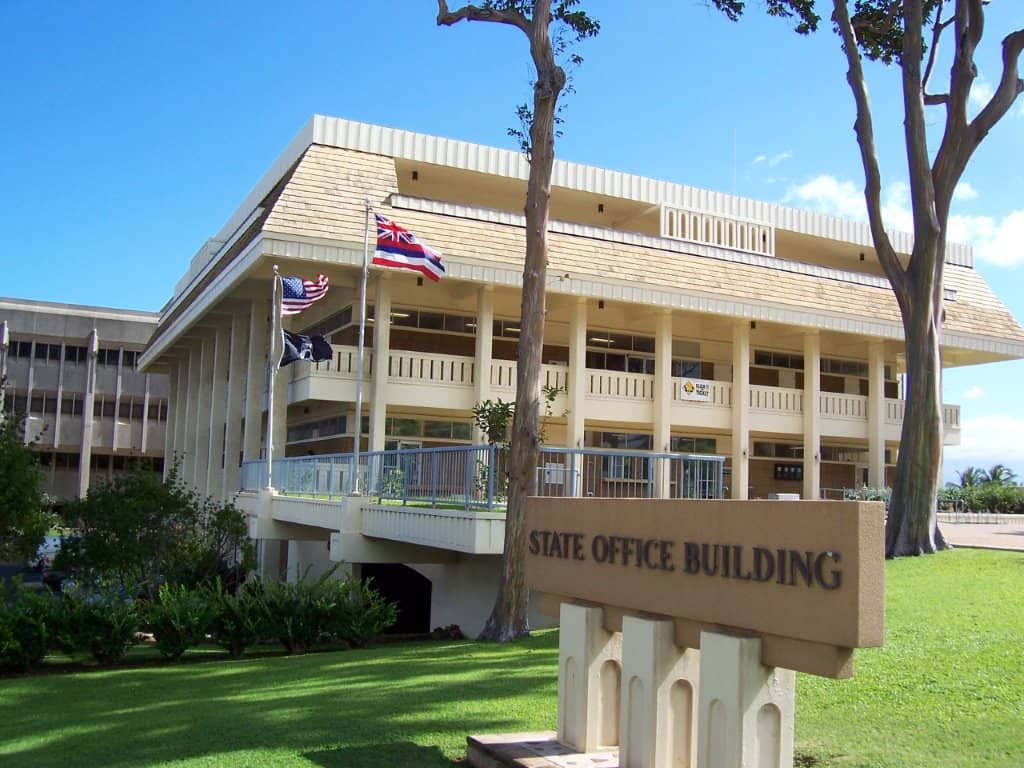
pixel 997 242
pixel 974 393
pixel 986 441
pixel 964 191
pixel 1000 243
pixel 845 199
pixel 827 194
pixel 774 160
pixel 981 93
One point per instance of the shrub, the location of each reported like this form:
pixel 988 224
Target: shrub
pixel 142 532
pixel 297 612
pixel 179 618
pixel 362 613
pixel 101 622
pixel 25 619
pixel 239 619
pixel 306 611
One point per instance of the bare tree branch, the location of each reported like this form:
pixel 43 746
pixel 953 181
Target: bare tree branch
pixel 447 18
pixel 869 157
pixel 922 187
pixel 933 50
pixel 1010 87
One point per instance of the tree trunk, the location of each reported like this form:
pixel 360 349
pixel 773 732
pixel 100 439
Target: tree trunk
pixel 911 528
pixel 509 619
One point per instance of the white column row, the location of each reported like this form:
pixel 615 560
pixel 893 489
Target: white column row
pixel 215 414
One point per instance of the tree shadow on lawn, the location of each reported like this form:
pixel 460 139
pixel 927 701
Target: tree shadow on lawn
pixel 376 700
pixel 401 754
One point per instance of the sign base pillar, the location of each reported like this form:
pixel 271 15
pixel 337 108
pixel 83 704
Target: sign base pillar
pixel 746 710
pixel 659 697
pixel 589 674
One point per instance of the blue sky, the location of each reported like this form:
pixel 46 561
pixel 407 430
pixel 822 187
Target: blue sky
pixel 131 132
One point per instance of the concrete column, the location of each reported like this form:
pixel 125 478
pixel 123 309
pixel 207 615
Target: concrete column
pixel 218 412
pixel 876 414
pixel 235 394
pixel 663 402
pixel 144 439
pixel 192 407
pixel 202 416
pixel 5 347
pixel 171 425
pixel 740 408
pixel 577 383
pixel 381 352
pixel 745 711
pixel 55 437
pixel 589 675
pixel 484 351
pixel 181 411
pixel 88 418
pixel 117 431
pixel 256 379
pixel 659 697
pixel 812 415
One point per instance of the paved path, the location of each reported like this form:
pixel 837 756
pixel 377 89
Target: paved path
pixel 985 535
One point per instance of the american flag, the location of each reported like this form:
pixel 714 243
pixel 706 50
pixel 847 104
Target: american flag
pixel 398 247
pixel 298 294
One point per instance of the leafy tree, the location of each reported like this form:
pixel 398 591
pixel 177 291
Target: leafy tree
pixel 533 18
pixel 1000 474
pixel 894 32
pixel 141 532
pixel 971 476
pixel 23 518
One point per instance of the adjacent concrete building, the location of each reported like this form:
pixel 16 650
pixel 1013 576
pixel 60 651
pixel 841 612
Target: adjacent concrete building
pixel 678 320
pixel 73 372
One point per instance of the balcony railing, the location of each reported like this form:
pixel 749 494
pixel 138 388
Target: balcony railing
pixel 848 413
pixel 476 476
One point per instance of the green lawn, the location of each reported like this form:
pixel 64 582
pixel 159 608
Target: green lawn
pixel 947 690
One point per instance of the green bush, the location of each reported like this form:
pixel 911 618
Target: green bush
pixel 101 622
pixel 994 497
pixel 179 618
pixel 297 612
pixel 362 613
pixel 25 619
pixel 304 612
pixel 238 619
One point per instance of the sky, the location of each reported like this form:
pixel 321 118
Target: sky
pixel 132 131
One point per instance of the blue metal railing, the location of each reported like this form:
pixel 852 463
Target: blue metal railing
pixel 476 476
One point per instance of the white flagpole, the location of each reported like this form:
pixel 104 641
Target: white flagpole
pixel 358 428
pixel 276 328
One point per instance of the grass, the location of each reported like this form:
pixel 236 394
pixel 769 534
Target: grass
pixel 946 690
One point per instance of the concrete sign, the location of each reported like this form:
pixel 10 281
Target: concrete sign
pixel 805 577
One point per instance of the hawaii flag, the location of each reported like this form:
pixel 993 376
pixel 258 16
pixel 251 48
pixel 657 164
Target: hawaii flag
pixel 398 247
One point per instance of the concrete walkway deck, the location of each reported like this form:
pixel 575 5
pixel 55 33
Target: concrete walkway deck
pixel 1007 536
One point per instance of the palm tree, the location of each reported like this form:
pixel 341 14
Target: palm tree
pixel 971 476
pixel 1000 474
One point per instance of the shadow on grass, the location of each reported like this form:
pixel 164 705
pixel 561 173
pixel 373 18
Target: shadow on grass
pixel 418 701
pixel 402 754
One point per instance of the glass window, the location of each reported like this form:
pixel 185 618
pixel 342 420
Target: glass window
pixel 108 356
pixel 129 358
pixel 73 354
pixel 437 429
pixel 21 348
pixel 686 369
pixel 432 321
pixel 406 428
pixel 462 431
